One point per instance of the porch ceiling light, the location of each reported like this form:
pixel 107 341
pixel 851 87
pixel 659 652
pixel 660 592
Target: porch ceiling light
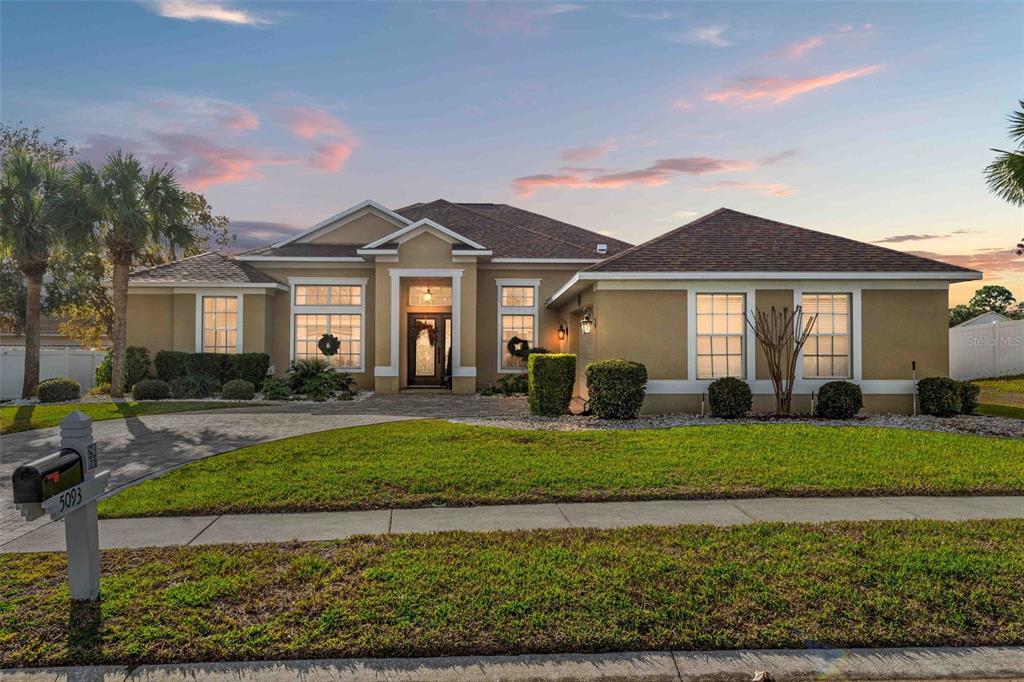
pixel 427 296
pixel 587 322
pixel 563 330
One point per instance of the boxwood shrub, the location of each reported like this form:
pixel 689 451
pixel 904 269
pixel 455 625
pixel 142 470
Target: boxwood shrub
pixel 170 364
pixel 192 386
pixel 550 377
pixel 939 396
pixel 136 366
pixel 216 365
pixel 59 390
pixel 151 389
pixel 276 389
pixel 730 397
pixel 238 389
pixel 968 397
pixel 839 400
pixel 616 388
pixel 251 367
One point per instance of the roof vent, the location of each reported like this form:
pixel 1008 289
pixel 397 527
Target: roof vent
pixel 602 248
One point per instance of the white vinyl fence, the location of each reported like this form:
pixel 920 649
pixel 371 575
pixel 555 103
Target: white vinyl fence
pixel 987 350
pixel 54 361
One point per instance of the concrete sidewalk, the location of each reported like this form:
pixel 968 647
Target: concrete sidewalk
pixel 942 663
pixel 247 528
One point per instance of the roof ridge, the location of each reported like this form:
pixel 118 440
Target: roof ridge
pixel 654 240
pixel 518 227
pixel 180 260
pixel 547 217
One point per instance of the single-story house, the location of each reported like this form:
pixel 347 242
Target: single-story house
pixel 431 294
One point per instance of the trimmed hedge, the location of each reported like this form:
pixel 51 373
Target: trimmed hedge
pixel 238 389
pixel 209 364
pixel 151 389
pixel 59 390
pixel 251 367
pixel 551 378
pixel 968 397
pixel 939 396
pixel 170 364
pixel 194 386
pixel 136 366
pixel 730 397
pixel 276 389
pixel 839 400
pixel 616 388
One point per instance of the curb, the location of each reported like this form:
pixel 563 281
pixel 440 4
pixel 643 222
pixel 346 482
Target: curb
pixel 783 665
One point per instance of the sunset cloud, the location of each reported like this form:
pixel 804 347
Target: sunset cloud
pixel 704 35
pixel 901 238
pixel 494 19
pixel 587 153
pixel 682 105
pixel 196 10
pixel 204 163
pixel 331 158
pixel 238 118
pixel 776 90
pixel 771 188
pixel 309 122
pixel 797 49
pixel 253 233
pixel 995 263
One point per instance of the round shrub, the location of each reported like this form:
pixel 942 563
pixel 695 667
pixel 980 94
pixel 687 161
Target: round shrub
pixel 193 386
pixel 318 387
pixel 616 388
pixel 238 389
pixel 151 389
pixel 276 389
pixel 59 390
pixel 251 367
pixel 170 364
pixel 839 400
pixel 730 397
pixel 136 366
pixel 968 397
pixel 939 396
pixel 551 378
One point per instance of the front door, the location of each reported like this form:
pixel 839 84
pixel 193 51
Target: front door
pixel 429 341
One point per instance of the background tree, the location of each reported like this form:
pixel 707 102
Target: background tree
pixel 30 140
pixel 128 211
pixel 78 298
pixel 1005 175
pixel 993 298
pixel 31 213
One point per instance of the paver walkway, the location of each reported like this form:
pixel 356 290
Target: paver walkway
pixel 140 447
pixel 245 528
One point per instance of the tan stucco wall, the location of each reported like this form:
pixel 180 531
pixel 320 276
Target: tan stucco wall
pixel 367 228
pixel 900 326
pixel 765 300
pixel 254 324
pixel 151 319
pixel 644 326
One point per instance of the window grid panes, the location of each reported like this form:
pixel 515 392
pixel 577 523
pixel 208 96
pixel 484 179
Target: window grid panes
pixel 439 296
pixel 348 329
pixel 827 351
pixel 720 335
pixel 220 324
pixel 517 297
pixel 515 325
pixel 318 294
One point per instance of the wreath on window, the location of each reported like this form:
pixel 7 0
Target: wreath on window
pixel 517 347
pixel 420 326
pixel 328 344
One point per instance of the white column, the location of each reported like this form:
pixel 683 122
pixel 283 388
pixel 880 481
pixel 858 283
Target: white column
pixel 456 322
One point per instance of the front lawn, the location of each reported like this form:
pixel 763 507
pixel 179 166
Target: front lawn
pixel 910 583
pixel 1002 396
pixel 409 464
pixel 28 417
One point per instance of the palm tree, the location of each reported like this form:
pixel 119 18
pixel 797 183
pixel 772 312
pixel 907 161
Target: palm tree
pixel 127 210
pixel 1005 175
pixel 31 194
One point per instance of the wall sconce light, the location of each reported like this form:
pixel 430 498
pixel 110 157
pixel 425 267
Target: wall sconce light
pixel 563 330
pixel 427 296
pixel 587 323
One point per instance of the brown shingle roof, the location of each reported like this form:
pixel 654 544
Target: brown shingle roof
pixel 206 267
pixel 730 241
pixel 299 250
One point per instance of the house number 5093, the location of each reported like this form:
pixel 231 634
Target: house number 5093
pixel 70 499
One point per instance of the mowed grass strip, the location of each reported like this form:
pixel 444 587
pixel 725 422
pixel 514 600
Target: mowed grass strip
pixel 29 417
pixel 909 583
pixel 411 464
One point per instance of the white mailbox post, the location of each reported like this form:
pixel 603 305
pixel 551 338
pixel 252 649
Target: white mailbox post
pixel 66 486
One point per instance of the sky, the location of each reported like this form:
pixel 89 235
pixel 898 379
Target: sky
pixel 869 120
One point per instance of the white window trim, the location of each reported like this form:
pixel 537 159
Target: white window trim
pixel 745 335
pixel 798 301
pixel 517 310
pixel 856 339
pixel 295 309
pixel 239 307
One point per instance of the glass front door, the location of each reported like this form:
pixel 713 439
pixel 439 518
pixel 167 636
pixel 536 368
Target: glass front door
pixel 428 348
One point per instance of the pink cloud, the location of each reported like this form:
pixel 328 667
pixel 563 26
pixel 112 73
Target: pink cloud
pixel 204 163
pixel 238 118
pixel 771 188
pixel 797 49
pixel 311 122
pixel 588 153
pixel 775 90
pixel 682 105
pixel 331 158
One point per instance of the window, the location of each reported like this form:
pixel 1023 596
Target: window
pixel 439 296
pixel 348 329
pixel 517 318
pixel 827 351
pixel 720 335
pixel 328 295
pixel 220 324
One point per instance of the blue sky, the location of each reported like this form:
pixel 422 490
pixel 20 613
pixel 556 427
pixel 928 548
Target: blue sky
pixel 870 120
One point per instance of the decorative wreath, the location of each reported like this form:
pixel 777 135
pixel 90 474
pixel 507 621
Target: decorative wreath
pixel 328 344
pixel 517 347
pixel 420 326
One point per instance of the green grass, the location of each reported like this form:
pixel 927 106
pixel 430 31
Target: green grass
pixel 900 583
pixel 1002 396
pixel 411 464
pixel 1009 384
pixel 29 417
pixel 997 410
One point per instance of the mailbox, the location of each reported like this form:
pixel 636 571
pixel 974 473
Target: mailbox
pixel 46 477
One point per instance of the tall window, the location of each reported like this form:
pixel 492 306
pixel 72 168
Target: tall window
pixel 827 351
pixel 720 337
pixel 517 318
pixel 220 324
pixel 329 307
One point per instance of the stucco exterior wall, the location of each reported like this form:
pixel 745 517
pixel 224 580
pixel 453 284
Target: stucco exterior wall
pixel 645 326
pixel 765 300
pixel 901 326
pixel 364 229
pixel 151 320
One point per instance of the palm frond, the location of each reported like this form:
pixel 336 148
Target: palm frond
pixel 1005 177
